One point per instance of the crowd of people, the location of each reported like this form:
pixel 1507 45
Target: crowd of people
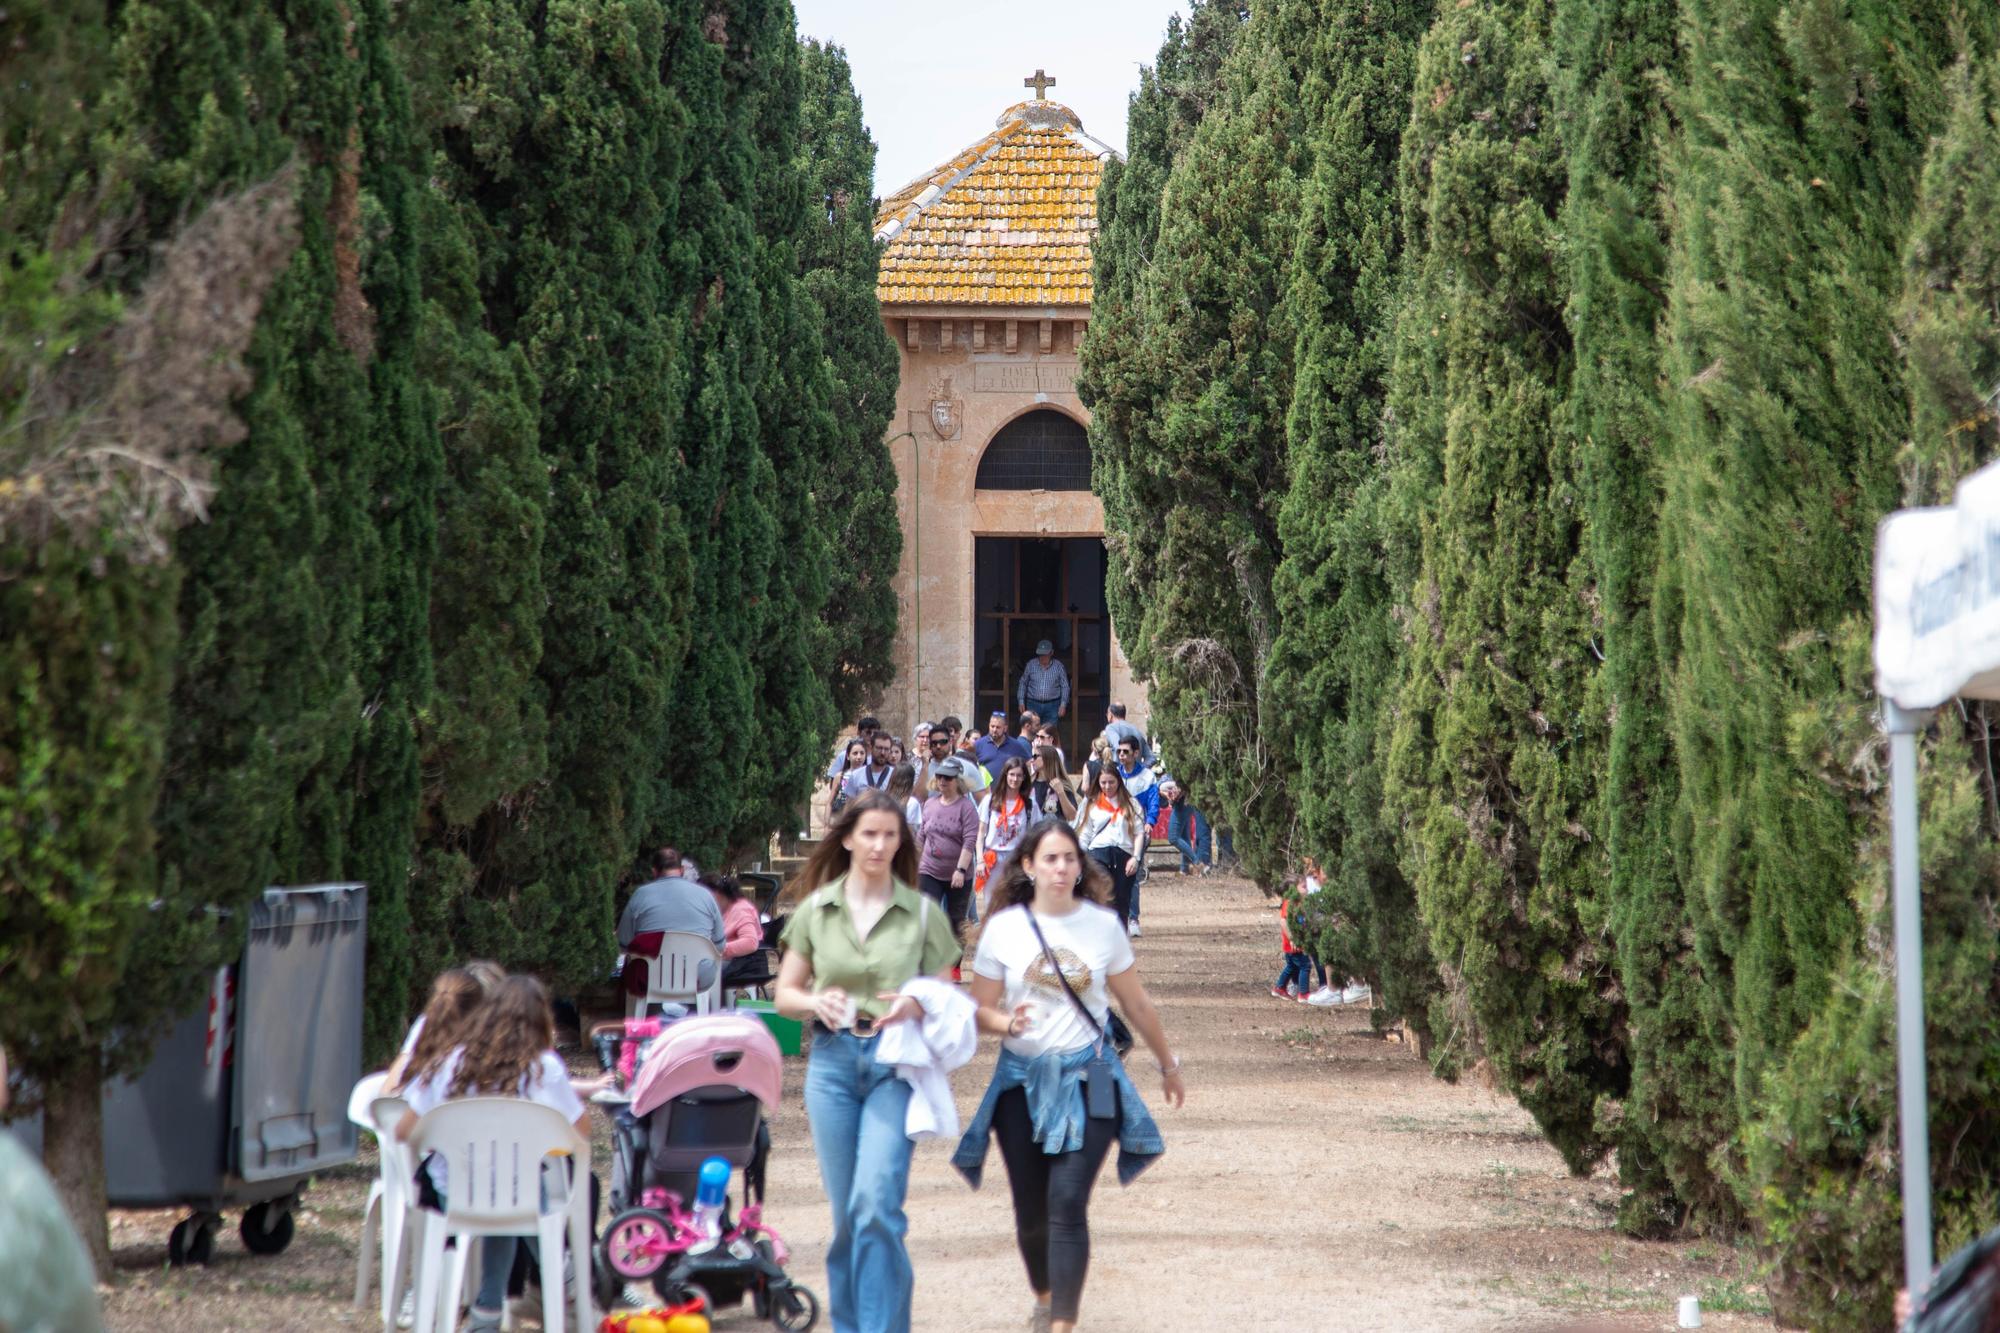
pixel 969 796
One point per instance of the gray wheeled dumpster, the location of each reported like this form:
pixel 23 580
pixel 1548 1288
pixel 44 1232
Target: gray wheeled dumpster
pixel 246 1097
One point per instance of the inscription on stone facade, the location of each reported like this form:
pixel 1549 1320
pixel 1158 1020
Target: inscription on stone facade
pixel 1024 377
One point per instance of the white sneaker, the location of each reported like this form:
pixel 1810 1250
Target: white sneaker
pixel 1353 994
pixel 1132 930
pixel 1324 996
pixel 406 1313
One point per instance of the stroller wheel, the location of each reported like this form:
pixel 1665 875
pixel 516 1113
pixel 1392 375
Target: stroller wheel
pixel 793 1308
pixel 634 1245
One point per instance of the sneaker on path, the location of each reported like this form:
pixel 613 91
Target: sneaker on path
pixel 1280 993
pixel 406 1313
pixel 1132 930
pixel 1324 996
pixel 1038 1322
pixel 484 1321
pixel 1353 994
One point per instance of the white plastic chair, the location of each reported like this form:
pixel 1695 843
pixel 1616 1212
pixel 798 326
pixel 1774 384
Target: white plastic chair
pixel 494 1148
pixel 674 977
pixel 390 1198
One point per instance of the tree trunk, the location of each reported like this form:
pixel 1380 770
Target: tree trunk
pixel 73 1151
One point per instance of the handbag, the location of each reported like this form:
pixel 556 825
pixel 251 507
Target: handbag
pixel 1100 1084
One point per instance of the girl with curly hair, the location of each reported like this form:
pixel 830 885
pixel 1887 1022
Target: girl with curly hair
pixel 508 1051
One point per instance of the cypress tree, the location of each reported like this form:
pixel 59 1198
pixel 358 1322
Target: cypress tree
pixel 1618 58
pixel 485 738
pixel 725 485
pixel 1214 350
pixel 1116 379
pixel 793 718
pixel 396 510
pixel 574 160
pixel 1333 663
pixel 1822 1149
pixel 268 776
pixel 1791 185
pixel 853 475
pixel 1492 762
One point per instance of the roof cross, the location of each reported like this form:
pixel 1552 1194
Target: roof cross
pixel 1041 83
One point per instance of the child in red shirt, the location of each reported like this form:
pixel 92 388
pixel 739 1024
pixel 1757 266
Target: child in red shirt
pixel 1293 981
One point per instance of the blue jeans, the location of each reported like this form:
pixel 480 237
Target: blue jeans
pixel 856 1109
pixel 1188 832
pixel 1298 968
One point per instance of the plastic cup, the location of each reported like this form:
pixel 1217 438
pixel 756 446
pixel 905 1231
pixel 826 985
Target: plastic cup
pixel 1690 1312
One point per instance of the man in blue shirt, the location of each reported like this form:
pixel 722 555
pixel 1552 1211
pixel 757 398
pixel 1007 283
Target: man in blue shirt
pixel 996 747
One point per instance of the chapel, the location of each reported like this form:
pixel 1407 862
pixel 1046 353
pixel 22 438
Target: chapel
pixel 985 287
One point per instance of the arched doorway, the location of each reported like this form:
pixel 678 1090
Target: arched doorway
pixel 1029 587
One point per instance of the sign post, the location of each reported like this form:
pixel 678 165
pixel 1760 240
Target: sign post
pixel 1937 637
pixel 1912 1102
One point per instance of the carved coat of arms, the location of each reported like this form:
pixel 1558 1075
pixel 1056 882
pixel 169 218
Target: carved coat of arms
pixel 946 411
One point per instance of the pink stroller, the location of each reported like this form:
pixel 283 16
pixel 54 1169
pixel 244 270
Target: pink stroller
pixel 699 1088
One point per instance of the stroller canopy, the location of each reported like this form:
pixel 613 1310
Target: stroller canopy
pixel 723 1050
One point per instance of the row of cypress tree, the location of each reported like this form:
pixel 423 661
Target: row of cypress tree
pixel 526 508
pixel 1492 405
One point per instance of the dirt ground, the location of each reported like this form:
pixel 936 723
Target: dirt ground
pixel 1318 1179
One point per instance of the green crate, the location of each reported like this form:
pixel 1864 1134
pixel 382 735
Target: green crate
pixel 789 1031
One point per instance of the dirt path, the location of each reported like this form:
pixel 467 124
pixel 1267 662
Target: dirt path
pixel 1318 1179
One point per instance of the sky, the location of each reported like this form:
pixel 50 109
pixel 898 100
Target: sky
pixel 934 73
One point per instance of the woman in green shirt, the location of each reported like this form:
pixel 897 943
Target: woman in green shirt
pixel 860 932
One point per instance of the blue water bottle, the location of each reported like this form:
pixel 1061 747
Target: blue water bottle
pixel 711 1189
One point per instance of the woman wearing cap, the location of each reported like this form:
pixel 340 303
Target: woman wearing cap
pixel 858 935
pixel 951 832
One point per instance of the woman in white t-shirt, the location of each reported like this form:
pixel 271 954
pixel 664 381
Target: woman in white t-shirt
pixel 1113 829
pixel 508 1051
pixel 1048 904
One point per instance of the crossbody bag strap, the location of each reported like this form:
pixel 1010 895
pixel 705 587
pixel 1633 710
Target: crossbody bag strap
pixel 1062 980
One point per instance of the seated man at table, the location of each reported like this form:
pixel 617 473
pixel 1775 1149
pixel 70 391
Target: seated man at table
pixel 670 901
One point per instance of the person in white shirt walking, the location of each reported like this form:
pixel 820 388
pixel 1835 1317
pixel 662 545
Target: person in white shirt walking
pixel 1049 963
pixel 1113 831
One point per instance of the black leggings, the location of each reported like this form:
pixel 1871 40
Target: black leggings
pixel 953 901
pixel 1051 1200
pixel 1113 860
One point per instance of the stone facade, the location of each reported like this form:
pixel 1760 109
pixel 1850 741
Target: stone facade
pixel 985 286
pixel 962 361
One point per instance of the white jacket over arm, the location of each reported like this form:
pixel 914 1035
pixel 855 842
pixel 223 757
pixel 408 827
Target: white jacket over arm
pixel 928 1050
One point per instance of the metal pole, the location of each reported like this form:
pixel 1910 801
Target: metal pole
pixel 1912 1090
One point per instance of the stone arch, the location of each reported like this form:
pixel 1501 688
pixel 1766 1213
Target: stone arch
pixel 1042 448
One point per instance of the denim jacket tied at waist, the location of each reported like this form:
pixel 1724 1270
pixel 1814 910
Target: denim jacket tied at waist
pixel 1054 1086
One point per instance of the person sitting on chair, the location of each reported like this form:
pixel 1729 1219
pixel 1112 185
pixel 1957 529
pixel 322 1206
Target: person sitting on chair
pixel 669 901
pixel 744 962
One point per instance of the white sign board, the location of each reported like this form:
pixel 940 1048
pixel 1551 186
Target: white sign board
pixel 1937 598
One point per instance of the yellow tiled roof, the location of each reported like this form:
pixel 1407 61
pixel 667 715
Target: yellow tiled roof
pixel 1009 221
